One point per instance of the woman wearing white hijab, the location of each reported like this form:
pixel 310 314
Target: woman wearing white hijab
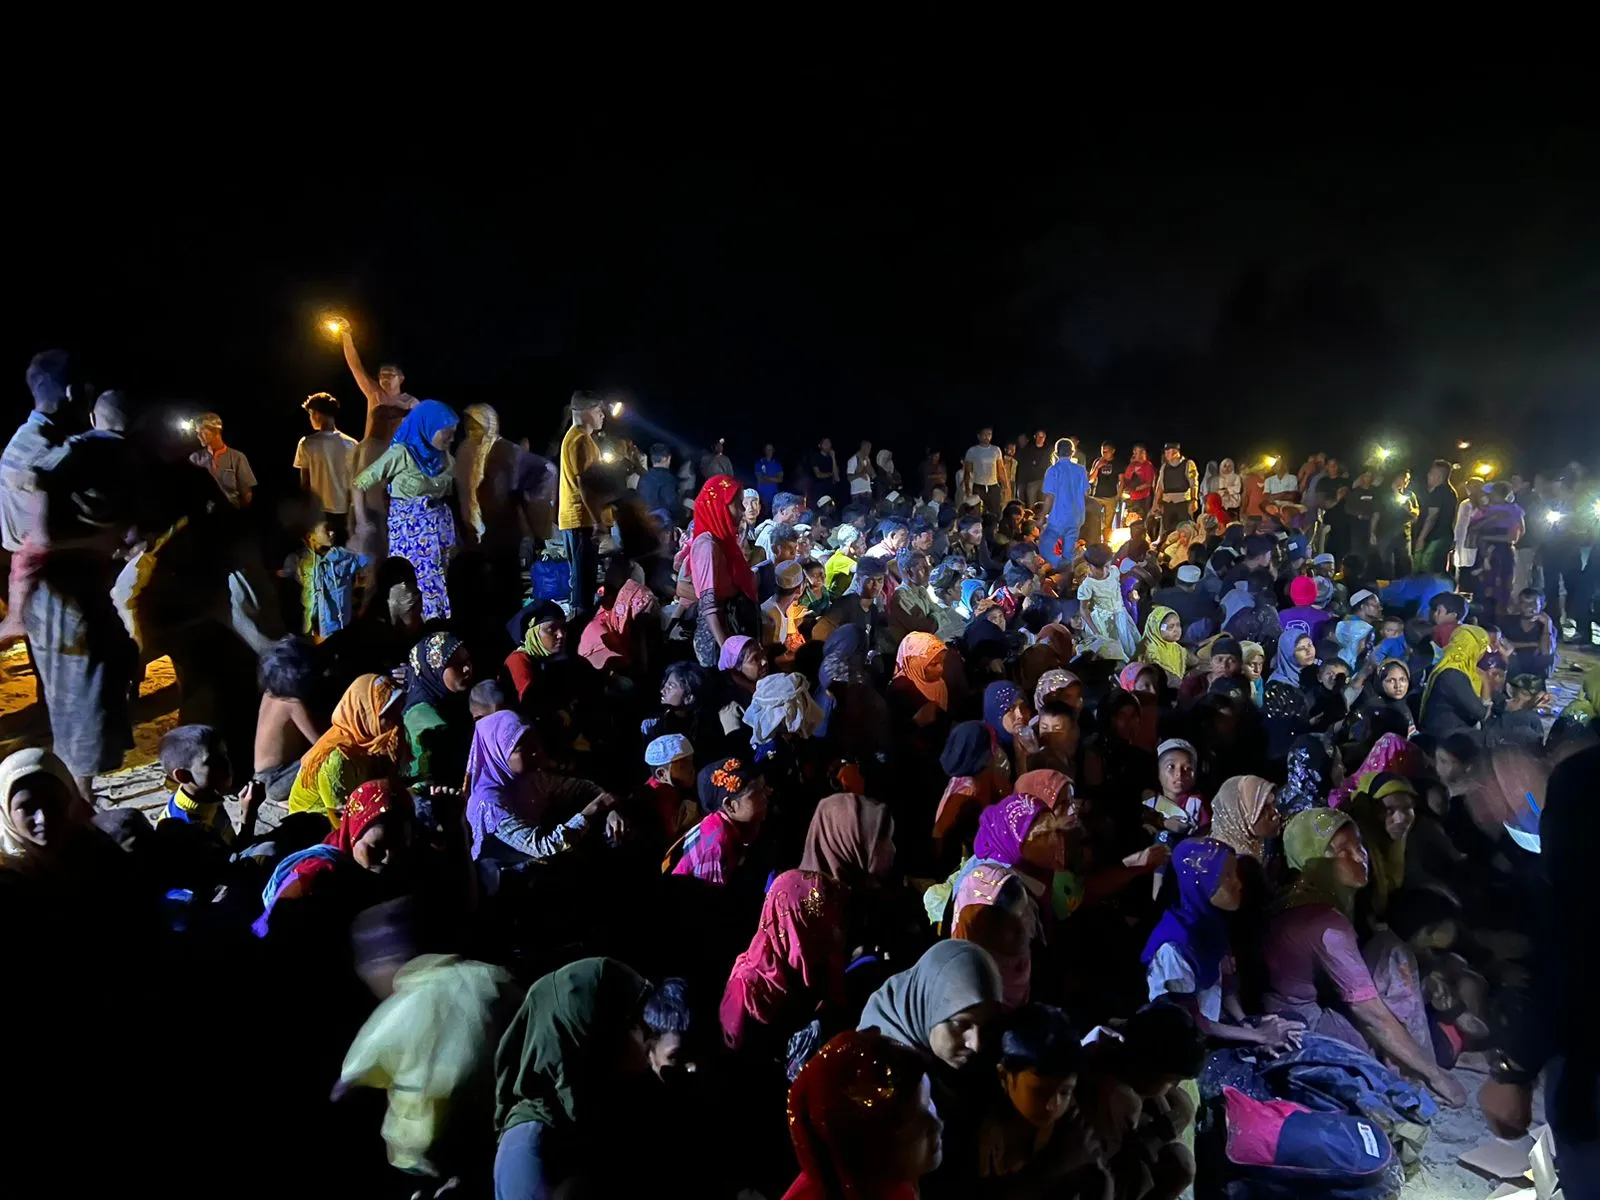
pixel 41 809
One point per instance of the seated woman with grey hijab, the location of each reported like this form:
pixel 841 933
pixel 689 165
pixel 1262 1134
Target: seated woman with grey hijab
pixel 939 1008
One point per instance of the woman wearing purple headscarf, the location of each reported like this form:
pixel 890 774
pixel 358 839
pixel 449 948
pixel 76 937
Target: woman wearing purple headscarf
pixel 1188 949
pixel 517 808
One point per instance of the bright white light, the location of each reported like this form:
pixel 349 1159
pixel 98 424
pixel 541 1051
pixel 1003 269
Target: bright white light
pixel 609 456
pixel 1463 445
pixel 1597 508
pixel 616 408
pixel 1382 452
pixel 1401 497
pixel 1554 516
pixel 186 424
pixel 1119 538
pixel 1272 460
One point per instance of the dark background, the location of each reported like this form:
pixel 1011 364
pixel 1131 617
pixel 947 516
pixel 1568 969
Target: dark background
pixel 885 248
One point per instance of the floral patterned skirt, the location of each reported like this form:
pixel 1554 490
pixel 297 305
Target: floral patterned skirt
pixel 423 532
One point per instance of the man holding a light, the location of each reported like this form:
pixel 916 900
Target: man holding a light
pixel 387 405
pixel 579 515
pixel 1390 538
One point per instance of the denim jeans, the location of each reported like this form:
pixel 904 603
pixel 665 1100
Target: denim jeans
pixel 583 566
pixel 1047 545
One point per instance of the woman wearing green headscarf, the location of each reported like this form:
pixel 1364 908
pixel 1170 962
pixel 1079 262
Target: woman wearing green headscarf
pixel 1311 952
pixel 579 1064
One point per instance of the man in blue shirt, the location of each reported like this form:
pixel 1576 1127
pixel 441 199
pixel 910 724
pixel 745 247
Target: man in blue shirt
pixel 1067 485
pixel 658 487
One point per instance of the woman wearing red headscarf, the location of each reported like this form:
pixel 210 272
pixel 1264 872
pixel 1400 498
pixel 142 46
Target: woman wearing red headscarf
pixel 862 1121
pixel 372 839
pixel 724 585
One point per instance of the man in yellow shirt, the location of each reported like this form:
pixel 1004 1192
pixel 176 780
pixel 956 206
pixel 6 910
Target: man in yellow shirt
pixel 577 518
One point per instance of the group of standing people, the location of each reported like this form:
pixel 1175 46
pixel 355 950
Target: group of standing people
pixel 917 845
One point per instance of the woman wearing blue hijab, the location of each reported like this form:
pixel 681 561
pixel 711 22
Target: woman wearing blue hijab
pixel 418 472
pixel 998 698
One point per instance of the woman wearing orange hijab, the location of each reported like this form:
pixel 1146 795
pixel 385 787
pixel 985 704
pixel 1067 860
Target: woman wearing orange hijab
pixel 362 743
pixel 920 661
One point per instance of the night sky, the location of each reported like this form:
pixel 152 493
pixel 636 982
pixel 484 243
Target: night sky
pixel 895 252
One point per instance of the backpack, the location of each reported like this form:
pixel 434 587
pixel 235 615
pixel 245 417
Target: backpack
pixel 1280 1150
pixel 1327 1075
pixel 551 578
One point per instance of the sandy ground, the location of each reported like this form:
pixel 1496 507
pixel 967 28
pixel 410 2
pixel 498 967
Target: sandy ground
pixel 139 784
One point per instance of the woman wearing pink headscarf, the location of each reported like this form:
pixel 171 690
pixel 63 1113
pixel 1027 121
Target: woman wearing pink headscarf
pixel 1391 752
pixel 793 966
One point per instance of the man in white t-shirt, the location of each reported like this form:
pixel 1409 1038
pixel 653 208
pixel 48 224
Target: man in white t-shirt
pixel 983 472
pixel 1285 485
pixel 859 471
pixel 325 457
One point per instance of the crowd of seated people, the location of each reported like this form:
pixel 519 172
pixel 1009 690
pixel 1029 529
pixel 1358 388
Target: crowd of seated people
pixel 876 852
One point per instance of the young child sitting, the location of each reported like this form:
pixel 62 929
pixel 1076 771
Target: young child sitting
pixel 485 698
pixel 734 797
pixel 196 762
pixel 684 689
pixel 285 728
pixel 1057 730
pixel 327 576
pixel 1177 808
pixel 1391 640
pixel 1531 636
pixel 1038 1068
pixel 668 796
pixel 1446 612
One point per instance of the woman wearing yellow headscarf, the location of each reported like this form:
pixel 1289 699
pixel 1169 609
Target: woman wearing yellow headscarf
pixel 362 743
pixel 1162 629
pixel 1453 699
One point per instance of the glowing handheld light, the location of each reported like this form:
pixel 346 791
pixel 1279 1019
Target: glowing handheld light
pixel 1554 516
pixel 1272 460
pixel 1484 469
pixel 1382 453
pixel 1463 445
pixel 608 456
pixel 186 424
pixel 616 408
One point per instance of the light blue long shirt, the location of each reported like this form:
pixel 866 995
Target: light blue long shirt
pixel 1068 484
